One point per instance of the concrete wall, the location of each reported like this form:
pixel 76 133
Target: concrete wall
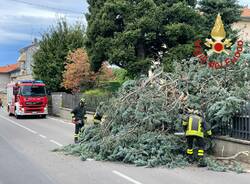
pixel 56 103
pixel 56 108
pixel 4 80
pixel 14 75
pixel 29 59
pixel 226 146
pixel 25 77
pixel 65 114
pixel 244 27
pixel 3 96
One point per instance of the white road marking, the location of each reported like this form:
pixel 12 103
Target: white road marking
pixel 60 121
pixel 30 130
pixel 126 177
pixel 42 136
pixel 55 142
pixel 52 118
pixel 17 124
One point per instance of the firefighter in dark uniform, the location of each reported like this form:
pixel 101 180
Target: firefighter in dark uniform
pixel 78 118
pixel 98 114
pixel 195 128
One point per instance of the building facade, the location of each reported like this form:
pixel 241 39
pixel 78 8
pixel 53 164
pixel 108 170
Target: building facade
pixel 7 74
pixel 244 25
pixel 26 61
pixel 19 71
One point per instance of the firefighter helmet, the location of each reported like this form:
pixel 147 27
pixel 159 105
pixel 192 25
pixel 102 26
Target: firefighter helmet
pixel 82 100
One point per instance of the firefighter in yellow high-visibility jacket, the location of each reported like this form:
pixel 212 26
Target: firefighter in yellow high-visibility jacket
pixel 195 128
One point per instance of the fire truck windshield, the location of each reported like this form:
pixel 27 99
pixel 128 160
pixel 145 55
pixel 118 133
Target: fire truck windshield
pixel 32 91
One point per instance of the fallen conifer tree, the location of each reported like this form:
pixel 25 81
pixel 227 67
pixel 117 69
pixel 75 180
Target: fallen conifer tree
pixel 140 121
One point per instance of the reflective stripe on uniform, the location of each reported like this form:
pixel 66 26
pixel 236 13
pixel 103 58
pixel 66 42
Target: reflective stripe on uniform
pixel 190 151
pixel 184 123
pixel 200 152
pixel 76 135
pixel 184 120
pixel 209 132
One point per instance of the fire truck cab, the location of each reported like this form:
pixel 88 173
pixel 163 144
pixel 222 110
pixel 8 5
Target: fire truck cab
pixel 27 97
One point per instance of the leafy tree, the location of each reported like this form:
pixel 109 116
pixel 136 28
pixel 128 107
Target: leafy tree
pixel 132 33
pixel 77 71
pixel 105 73
pixel 230 11
pixel 49 60
pixel 120 75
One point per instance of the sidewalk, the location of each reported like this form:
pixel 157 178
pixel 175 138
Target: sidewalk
pixel 89 119
pixel 89 115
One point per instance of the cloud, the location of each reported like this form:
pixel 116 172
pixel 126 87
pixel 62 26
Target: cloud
pixel 8 37
pixel 24 22
pixel 245 2
pixel 36 13
pixel 28 12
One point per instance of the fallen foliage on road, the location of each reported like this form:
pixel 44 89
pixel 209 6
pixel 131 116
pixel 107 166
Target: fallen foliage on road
pixel 141 120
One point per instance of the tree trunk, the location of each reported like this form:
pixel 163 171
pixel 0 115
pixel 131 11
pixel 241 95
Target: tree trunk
pixel 140 50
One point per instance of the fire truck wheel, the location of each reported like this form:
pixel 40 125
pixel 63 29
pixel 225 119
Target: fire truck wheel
pixel 43 116
pixel 18 116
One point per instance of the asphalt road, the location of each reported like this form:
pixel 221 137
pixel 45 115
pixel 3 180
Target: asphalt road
pixel 26 158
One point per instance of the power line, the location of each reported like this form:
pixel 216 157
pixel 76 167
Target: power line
pixel 46 7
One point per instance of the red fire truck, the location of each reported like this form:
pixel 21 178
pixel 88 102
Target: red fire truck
pixel 27 97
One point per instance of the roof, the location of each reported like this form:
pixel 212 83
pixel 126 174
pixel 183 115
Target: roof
pixel 245 13
pixel 34 44
pixel 29 46
pixel 9 68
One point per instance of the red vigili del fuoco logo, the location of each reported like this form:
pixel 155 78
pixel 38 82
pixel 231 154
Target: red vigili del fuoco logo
pixel 218 44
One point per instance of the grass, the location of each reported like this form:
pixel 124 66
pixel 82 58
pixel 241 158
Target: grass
pixel 104 89
pixel 96 92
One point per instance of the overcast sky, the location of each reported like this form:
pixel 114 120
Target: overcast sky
pixel 245 2
pixel 23 20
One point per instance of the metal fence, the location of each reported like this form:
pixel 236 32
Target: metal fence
pixel 71 101
pixel 239 127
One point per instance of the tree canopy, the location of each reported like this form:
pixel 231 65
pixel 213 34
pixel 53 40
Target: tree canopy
pixel 230 11
pixel 49 60
pixel 132 33
pixel 77 71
